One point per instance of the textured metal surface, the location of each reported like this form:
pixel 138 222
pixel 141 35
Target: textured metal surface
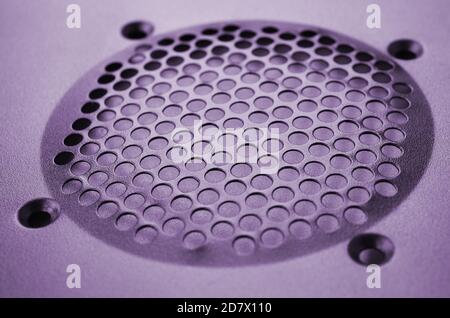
pixel 159 141
pixel 33 84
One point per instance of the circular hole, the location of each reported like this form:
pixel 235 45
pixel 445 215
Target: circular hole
pixel 73 139
pixel 106 79
pixel 405 49
pixel 210 31
pixel 90 107
pixel 97 93
pixel 166 42
pixel 63 158
pixel 81 123
pixel 137 30
pixel 112 67
pixel 187 37
pixel 371 248
pixel 38 213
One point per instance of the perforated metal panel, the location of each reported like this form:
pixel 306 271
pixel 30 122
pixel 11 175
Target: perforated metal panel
pixel 353 136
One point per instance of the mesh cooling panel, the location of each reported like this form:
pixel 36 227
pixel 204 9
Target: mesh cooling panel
pixel 321 136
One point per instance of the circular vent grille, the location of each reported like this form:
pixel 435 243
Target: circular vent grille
pixel 237 143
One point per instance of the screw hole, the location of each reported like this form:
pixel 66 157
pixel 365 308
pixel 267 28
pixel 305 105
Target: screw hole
pixel 405 49
pixel 367 249
pixel 38 213
pixel 137 30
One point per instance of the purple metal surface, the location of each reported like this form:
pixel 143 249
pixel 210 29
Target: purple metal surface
pixel 337 120
pixel 290 242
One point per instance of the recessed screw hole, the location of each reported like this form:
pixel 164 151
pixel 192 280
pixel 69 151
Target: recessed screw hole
pixel 137 30
pixel 38 213
pixel 405 49
pixel 39 219
pixel 367 249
